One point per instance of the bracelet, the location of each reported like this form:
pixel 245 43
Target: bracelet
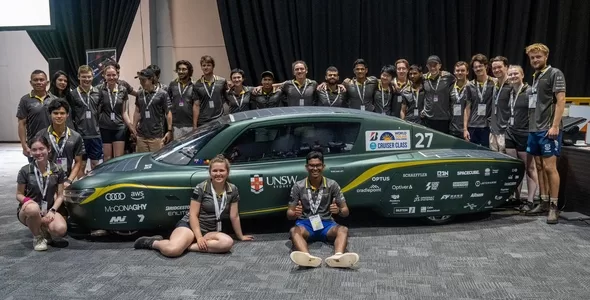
pixel 68 180
pixel 26 199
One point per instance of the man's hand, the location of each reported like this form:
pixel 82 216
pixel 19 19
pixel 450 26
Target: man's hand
pixel 167 138
pixel 466 135
pixel 553 133
pixel 26 151
pixel 342 88
pixel 298 209
pixel 257 91
pixel 48 218
pixel 334 209
pixel 202 244
pixel 321 87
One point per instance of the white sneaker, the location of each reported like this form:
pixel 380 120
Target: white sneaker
pixel 39 243
pixel 344 260
pixel 305 259
pixel 46 235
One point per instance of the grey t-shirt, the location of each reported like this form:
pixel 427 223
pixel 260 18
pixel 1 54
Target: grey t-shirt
pixel 545 85
pixel 333 98
pixel 296 95
pixel 519 111
pixel 34 111
pixel 54 177
pixel 361 94
pixel 211 96
pixel 480 102
pixel 153 107
pixel 437 94
pixel 266 100
pixel 238 103
pixel 110 107
pixel 203 193
pixel 383 98
pixel 182 99
pixel 86 111
pixel 501 109
pixel 303 191
pixel 74 146
pixel 459 99
pixel 414 100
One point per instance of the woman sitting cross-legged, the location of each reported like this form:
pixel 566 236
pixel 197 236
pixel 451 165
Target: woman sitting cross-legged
pixel 200 229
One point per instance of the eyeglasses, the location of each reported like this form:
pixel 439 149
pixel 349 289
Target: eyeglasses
pixel 317 166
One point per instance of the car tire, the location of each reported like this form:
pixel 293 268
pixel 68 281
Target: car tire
pixel 124 233
pixel 439 220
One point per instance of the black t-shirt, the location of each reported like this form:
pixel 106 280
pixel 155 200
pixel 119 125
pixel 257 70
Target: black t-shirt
pixel 53 178
pixel 480 102
pixel 459 99
pixel 267 100
pixel 182 98
pixel 238 103
pixel 501 108
pixel 34 111
pixel 110 107
pixel 359 95
pixel 519 111
pixel 85 110
pixel 383 98
pixel 437 94
pixel 211 96
pixel 545 85
pixel 204 194
pixel 300 95
pixel 153 107
pixel 414 100
pixel 74 147
pixel 332 98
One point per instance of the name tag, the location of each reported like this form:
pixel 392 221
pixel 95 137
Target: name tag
pixel 88 114
pixel 362 107
pixel 316 222
pixel 147 114
pixel 415 112
pixel 457 110
pixel 435 98
pixel 301 102
pixel 211 104
pixel 44 206
pixel 533 101
pixel 481 109
pixel 62 162
pixel 511 121
pixel 399 99
pixel 181 103
pixel 112 116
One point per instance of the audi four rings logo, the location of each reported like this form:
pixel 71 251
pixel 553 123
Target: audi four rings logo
pixel 115 196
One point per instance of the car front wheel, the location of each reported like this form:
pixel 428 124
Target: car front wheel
pixel 439 220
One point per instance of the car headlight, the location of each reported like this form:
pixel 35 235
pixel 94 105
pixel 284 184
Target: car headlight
pixel 77 196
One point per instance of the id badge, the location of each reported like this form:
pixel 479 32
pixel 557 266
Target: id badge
pixel 316 222
pixel 533 101
pixel 416 113
pixel 399 99
pixel 211 104
pixel 362 107
pixel 301 102
pixel 181 103
pixel 435 98
pixel 62 162
pixel 147 114
pixel 481 109
pixel 511 121
pixel 112 116
pixel 43 207
pixel 88 114
pixel 457 110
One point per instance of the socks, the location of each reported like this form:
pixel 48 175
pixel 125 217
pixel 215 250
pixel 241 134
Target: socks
pixel 544 197
pixel 554 200
pixel 338 253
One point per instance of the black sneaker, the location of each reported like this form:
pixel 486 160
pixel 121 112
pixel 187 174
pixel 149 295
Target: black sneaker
pixel 525 207
pixel 146 242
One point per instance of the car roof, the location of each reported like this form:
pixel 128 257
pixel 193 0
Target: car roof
pixel 299 111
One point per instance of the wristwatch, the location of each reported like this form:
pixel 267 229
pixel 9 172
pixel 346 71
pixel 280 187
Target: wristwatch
pixel 68 180
pixel 53 210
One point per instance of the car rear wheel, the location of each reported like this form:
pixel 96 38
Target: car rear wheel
pixel 124 233
pixel 439 220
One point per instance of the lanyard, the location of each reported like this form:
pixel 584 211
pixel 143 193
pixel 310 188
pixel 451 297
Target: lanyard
pixel 301 92
pixel 184 90
pixel 383 99
pixel 147 104
pixel 459 95
pixel 82 99
pixel 314 203
pixel 513 99
pixel 358 91
pixel 210 94
pixel 536 82
pixel 437 82
pixel 481 92
pixel 59 150
pixel 241 99
pixel 114 101
pixel 415 95
pixel 42 182
pixel 497 92
pixel 219 207
pixel 328 97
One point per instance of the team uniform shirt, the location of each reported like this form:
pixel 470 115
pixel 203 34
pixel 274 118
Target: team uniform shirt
pixel 542 98
pixel 211 96
pixel 383 100
pixel 518 121
pixel 204 193
pixel 295 94
pixel 64 147
pixel 34 110
pixel 238 103
pixel 332 98
pixel 398 97
pixel 360 95
pixel 182 98
pixel 37 184
pixel 267 100
pixel 480 102
pixel 460 96
pixel 316 201
pixel 85 108
pixel 501 108
pixel 110 107
pixel 153 107
pixel 437 102
pixel 414 100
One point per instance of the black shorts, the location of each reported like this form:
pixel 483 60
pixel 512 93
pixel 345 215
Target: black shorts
pixel 515 141
pixel 93 148
pixel 113 135
pixel 225 224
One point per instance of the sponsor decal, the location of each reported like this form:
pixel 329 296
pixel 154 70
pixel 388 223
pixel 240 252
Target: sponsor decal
pixel 383 140
pixel 372 189
pixel 115 196
pixel 137 195
pixel 487 172
pixel 451 197
pixel 489 205
pixel 118 220
pixel 464 173
pixel 498 198
pixel 547 147
pixel 123 208
pixel 516 177
pixel 140 217
pixel 471 206
pixel 504 191
pixel 401 187
pixel 381 178
pixel 460 184
pixel 256 184
pixel 395 199
pixel 423 199
pixel 428 209
pixel 514 170
pixel 148 166
pixel 177 207
pixel 511 183
pixel 414 175
pixel 442 174
pixel 511 177
pixel 177 213
pixel 480 183
pixel 404 210
pixel 432 186
pixel 280 182
pixel 476 195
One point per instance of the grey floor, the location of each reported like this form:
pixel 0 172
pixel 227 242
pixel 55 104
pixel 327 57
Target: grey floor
pixel 502 256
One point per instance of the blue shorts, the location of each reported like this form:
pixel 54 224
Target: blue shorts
pixel 479 136
pixel 538 144
pixel 319 235
pixel 93 149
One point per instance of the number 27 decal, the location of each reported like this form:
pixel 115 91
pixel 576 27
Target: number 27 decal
pixel 422 138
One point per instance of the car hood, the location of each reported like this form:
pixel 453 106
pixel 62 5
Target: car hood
pixel 126 163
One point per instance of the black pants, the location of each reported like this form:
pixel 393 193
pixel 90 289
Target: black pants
pixel 438 125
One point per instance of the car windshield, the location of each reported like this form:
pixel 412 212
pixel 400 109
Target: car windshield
pixel 182 150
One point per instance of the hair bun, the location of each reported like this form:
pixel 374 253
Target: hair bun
pixel 220 156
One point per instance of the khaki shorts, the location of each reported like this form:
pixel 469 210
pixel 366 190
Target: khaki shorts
pixel 148 145
pixel 498 142
pixel 181 131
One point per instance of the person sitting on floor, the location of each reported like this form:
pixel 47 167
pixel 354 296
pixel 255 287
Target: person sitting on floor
pixel 200 229
pixel 313 202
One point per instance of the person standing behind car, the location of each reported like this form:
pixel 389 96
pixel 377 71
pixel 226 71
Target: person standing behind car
pixel 413 97
pixel 269 95
pixel 238 96
pixel 113 116
pixel 209 94
pixel 182 98
pixel 437 96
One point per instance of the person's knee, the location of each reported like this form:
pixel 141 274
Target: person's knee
pixel 295 231
pixel 32 210
pixel 342 230
pixel 172 250
pixel 58 229
pixel 225 243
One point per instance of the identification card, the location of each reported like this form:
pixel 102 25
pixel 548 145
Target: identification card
pixel 62 162
pixel 112 116
pixel 511 121
pixel 301 102
pixel 481 109
pixel 457 110
pixel 211 104
pixel 147 114
pixel 88 114
pixel 316 222
pixel 533 101
pixel 43 207
pixel 416 112
pixel 435 98
pixel 399 99
pixel 362 107
pixel 181 103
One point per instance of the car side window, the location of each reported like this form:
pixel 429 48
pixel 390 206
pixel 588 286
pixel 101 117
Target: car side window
pixel 287 141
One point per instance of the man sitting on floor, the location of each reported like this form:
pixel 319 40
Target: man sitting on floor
pixel 313 202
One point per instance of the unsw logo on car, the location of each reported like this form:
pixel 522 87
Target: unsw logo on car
pixel 258 181
pixel 256 184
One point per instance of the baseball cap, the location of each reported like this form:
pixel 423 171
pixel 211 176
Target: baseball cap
pixel 433 58
pixel 267 74
pixel 146 73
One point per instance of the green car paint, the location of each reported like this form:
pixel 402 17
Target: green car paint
pixel 397 168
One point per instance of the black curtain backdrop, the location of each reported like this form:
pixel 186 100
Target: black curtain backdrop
pixel 271 34
pixel 85 24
